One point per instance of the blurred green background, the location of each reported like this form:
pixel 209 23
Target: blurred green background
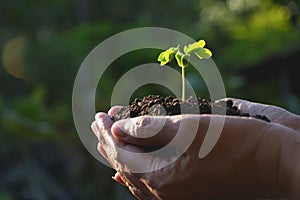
pixel 256 45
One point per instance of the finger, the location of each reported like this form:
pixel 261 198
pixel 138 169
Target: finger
pixel 104 120
pixel 117 177
pixel 95 128
pixel 101 150
pixel 124 156
pixel 135 185
pixel 113 110
pixel 138 188
pixel 129 158
pixel 254 109
pixel 144 130
pixel 244 106
pixel 275 114
pixel 171 135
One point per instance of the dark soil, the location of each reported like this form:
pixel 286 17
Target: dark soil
pixel 156 105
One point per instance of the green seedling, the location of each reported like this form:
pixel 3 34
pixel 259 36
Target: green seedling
pixel 183 59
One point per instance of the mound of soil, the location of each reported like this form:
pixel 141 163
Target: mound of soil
pixel 156 105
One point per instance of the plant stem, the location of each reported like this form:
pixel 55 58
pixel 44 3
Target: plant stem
pixel 183 84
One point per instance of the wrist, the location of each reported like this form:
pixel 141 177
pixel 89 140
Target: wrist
pixel 289 168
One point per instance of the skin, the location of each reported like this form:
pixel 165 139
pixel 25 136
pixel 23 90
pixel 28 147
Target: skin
pixel 252 158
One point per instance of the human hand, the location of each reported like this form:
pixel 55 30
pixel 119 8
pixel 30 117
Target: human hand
pixel 274 113
pixel 244 162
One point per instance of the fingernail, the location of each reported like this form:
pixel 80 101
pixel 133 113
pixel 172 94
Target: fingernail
pixel 143 121
pixel 118 179
pixel 99 115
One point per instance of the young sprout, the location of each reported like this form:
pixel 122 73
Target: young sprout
pixel 183 59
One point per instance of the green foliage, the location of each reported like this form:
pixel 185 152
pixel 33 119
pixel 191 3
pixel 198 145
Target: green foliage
pixel 4 196
pixel 167 56
pixel 273 31
pixel 245 31
pixel 183 59
pixel 31 119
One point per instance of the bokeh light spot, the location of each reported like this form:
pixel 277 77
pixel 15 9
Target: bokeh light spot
pixel 13 57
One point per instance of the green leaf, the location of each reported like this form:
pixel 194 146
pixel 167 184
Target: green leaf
pixel 201 43
pixel 167 56
pixel 162 59
pixel 182 59
pixel 161 56
pixel 191 48
pixel 203 53
pixel 186 49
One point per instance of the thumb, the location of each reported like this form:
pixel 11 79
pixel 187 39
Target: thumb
pixel 145 130
pixel 156 130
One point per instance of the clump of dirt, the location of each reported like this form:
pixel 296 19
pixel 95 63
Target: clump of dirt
pixel 156 105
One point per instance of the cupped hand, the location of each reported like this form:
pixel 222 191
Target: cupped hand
pixel 243 164
pixel 274 113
